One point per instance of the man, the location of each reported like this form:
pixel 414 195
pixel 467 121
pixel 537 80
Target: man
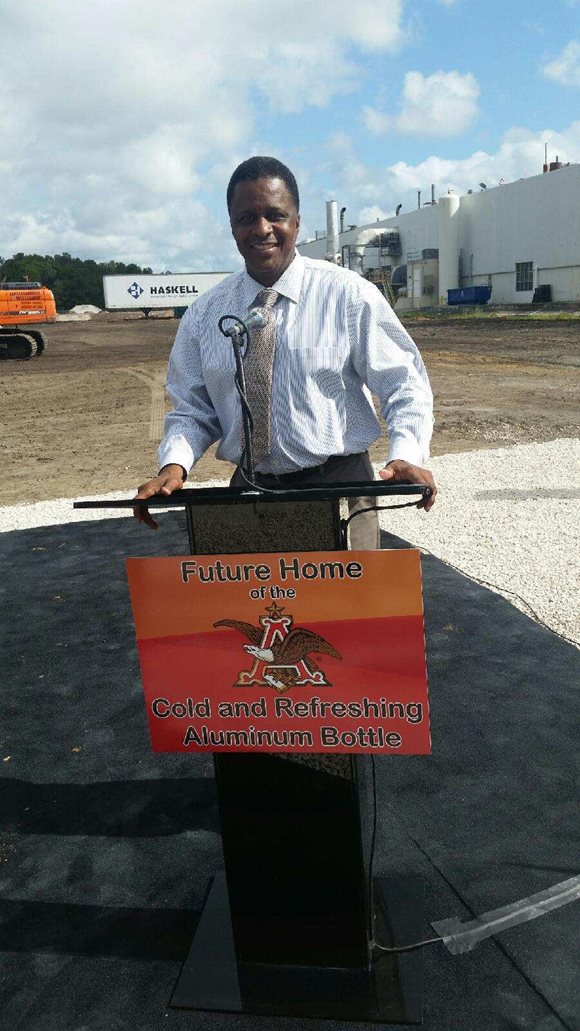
pixel 330 337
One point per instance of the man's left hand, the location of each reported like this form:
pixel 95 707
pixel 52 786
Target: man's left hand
pixel 398 471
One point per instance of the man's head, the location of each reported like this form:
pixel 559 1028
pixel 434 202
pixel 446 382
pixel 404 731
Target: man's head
pixel 263 203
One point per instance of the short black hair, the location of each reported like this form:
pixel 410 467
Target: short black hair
pixel 263 168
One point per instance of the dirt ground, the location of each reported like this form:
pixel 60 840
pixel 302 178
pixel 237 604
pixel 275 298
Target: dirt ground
pixel 86 417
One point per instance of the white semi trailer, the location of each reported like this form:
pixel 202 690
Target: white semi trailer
pixel 147 292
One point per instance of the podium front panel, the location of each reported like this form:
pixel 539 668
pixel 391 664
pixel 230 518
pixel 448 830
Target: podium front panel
pixel 264 527
pixel 293 854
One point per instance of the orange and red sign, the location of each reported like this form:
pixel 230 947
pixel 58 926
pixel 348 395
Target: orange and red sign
pixel 310 652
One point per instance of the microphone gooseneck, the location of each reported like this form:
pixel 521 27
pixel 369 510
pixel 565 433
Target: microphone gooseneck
pixel 255 320
pixel 239 334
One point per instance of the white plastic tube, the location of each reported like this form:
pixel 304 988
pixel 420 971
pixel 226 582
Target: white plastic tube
pixel 460 937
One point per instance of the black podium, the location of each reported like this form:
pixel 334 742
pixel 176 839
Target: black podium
pixel 289 927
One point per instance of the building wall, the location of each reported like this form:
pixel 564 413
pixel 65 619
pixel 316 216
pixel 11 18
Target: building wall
pixel 417 230
pixel 535 219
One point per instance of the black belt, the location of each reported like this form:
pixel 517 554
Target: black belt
pixel 301 474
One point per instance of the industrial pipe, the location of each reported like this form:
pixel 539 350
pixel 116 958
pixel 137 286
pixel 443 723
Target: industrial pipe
pixel 358 247
pixel 332 238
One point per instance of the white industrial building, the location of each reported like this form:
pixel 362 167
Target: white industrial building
pixel 515 238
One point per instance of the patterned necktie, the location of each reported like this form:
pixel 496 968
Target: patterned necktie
pixel 258 366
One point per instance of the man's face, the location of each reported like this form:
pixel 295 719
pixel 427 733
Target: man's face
pixel 265 224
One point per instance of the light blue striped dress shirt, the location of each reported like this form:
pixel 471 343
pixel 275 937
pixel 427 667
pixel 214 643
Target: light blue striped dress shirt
pixel 336 339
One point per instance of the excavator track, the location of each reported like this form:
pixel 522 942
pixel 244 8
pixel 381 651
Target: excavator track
pixel 40 339
pixel 24 346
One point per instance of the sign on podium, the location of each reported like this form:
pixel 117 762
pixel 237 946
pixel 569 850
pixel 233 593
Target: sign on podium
pixel 318 652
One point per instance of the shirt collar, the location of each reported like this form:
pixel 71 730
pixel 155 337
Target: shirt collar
pixel 289 285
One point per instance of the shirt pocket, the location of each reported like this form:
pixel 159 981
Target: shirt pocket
pixel 321 370
pixel 318 339
pixel 322 356
pixel 317 371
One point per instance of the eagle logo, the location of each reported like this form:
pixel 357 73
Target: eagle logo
pixel 281 652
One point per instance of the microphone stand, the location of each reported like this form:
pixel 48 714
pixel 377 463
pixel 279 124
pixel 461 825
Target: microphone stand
pixel 239 335
pixel 248 456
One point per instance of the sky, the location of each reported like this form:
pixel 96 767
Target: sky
pixel 122 120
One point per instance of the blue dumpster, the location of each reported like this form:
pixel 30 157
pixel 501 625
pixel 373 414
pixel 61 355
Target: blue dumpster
pixel 469 295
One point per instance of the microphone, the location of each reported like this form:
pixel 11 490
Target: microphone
pixel 255 320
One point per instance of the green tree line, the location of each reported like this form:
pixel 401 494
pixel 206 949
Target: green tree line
pixel 72 280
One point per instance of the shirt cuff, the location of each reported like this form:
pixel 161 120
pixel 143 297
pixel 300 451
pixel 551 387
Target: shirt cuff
pixel 176 451
pixel 406 450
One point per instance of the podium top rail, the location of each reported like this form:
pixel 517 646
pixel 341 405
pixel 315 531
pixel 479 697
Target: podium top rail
pixel 190 497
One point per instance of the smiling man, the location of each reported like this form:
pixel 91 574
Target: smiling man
pixel 329 338
pixel 265 221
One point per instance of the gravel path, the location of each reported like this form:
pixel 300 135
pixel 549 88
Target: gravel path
pixel 506 517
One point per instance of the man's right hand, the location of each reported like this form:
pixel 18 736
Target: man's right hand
pixel 168 480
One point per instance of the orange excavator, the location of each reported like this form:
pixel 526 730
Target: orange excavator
pixel 24 305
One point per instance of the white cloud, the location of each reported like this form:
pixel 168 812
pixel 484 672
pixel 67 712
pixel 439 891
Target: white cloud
pixel 447 3
pixel 442 104
pixel 367 190
pixel 372 214
pixel 566 67
pixel 168 232
pixel 120 121
pixel 376 121
pixel 349 173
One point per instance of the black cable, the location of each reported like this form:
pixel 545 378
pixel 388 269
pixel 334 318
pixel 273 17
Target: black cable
pixel 501 590
pixel 375 945
pixel 247 418
pixel 380 508
pixel 405 948
pixel 514 594
pixel 259 487
pixel 237 322
pixel 370 894
pixel 374 508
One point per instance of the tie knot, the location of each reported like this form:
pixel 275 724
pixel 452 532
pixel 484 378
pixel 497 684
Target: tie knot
pixel 266 298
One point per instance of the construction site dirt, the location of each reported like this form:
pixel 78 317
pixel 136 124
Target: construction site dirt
pixel 86 417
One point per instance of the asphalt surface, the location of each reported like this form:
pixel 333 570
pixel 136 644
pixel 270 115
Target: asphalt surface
pixel 106 850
